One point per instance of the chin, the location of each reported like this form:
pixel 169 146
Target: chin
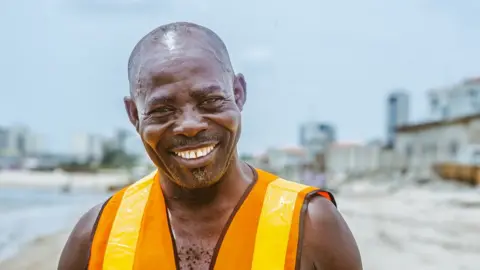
pixel 200 178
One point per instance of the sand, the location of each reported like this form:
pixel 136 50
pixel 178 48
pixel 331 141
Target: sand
pixel 416 229
pixel 41 254
pixel 410 227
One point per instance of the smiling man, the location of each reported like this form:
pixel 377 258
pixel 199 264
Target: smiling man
pixel 203 208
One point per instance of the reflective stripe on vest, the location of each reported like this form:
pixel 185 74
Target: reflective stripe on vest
pixel 122 242
pixel 275 224
pixel 263 234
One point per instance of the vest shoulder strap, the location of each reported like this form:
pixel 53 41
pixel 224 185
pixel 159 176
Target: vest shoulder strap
pixel 277 217
pixel 279 227
pixel 101 230
pixel 118 228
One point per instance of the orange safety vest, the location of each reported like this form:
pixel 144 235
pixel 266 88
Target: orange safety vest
pixel 263 234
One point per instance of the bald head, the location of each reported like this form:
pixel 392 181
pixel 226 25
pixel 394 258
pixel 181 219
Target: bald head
pixel 175 38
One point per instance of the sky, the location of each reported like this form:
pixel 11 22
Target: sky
pixel 64 62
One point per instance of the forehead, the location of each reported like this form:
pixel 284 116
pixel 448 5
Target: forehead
pixel 163 67
pixel 167 76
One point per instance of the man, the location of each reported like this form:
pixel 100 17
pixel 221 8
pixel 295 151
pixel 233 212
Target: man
pixel 203 208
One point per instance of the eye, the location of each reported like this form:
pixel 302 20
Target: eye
pixel 161 110
pixel 212 101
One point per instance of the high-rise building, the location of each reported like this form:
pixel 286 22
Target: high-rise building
pixel 87 147
pixel 398 113
pixel 461 99
pixel 19 141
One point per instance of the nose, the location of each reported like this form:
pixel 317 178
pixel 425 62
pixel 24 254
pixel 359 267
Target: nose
pixel 189 124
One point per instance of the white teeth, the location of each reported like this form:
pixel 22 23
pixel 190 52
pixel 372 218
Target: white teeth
pixel 197 153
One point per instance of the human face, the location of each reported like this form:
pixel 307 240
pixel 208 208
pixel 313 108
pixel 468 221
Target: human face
pixel 188 116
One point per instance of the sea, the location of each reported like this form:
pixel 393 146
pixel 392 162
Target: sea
pixel 27 214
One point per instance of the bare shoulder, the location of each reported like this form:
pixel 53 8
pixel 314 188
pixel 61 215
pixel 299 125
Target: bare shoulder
pixel 75 254
pixel 328 243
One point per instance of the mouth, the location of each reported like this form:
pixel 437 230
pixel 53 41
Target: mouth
pixel 196 152
pixel 195 157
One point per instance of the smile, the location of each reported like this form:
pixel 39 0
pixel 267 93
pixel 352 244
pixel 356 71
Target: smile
pixel 195 153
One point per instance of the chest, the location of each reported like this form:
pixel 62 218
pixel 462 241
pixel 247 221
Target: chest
pixel 196 242
pixel 194 256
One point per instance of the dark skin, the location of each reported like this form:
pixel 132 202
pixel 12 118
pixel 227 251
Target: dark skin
pixel 185 97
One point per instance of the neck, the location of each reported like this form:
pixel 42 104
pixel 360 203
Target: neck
pixel 228 190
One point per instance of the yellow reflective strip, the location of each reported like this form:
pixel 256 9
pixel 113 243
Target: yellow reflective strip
pixel 120 251
pixel 274 225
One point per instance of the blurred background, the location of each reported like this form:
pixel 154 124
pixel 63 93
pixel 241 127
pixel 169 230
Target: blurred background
pixel 378 101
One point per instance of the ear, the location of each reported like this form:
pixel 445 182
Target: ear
pixel 240 90
pixel 132 111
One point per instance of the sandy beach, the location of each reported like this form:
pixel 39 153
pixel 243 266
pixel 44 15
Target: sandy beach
pixel 434 226
pixel 41 254
pixel 415 227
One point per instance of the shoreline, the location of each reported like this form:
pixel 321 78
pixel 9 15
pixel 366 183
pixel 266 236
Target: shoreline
pixel 65 181
pixel 34 224
pixel 42 253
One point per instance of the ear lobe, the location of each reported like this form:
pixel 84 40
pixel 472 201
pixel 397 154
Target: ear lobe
pixel 132 111
pixel 240 90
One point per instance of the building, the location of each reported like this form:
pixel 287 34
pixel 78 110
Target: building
pixel 4 140
pixel 356 159
pixel 19 141
pixel 87 147
pixel 287 162
pixel 315 137
pixel 438 104
pixel 351 158
pixel 398 111
pixel 17 144
pixel 455 101
pixel 451 140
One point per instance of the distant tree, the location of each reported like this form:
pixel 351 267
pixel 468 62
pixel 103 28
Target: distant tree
pixel 117 157
pixel 76 166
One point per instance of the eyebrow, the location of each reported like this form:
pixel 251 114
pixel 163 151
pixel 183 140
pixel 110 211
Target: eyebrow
pixel 160 100
pixel 205 91
pixel 198 93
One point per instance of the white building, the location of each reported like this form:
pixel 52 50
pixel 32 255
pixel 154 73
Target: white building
pixel 455 101
pixel 19 141
pixel 287 162
pixel 452 140
pixel 351 158
pixel 361 159
pixel 87 147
